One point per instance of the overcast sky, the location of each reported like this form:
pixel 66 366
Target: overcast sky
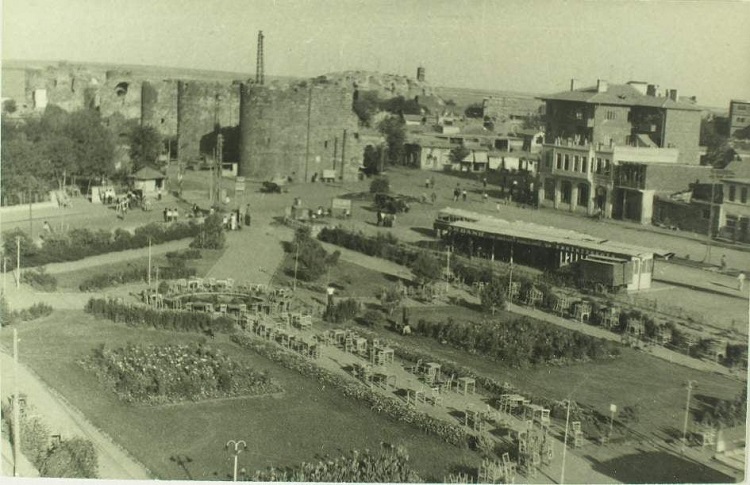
pixel 701 48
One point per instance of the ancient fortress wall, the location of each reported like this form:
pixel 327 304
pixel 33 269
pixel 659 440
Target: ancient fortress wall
pixel 159 106
pixel 298 129
pixel 203 109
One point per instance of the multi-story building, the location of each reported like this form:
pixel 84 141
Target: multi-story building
pixel 735 217
pixel 739 116
pixel 609 148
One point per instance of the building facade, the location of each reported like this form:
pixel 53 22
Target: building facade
pixel 609 148
pixel 739 116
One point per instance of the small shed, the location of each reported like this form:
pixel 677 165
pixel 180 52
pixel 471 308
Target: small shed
pixel 149 180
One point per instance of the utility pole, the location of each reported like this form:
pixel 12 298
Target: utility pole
pixel 687 415
pixel 510 276
pixel 565 444
pixel 343 155
pixel 149 263
pixel 16 410
pixel 31 219
pixel 296 262
pixel 707 257
pixel 307 142
pixel 18 261
pixel 5 275
pixel 238 447
pixel 448 269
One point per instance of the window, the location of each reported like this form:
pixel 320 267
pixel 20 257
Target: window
pixel 611 115
pixel 706 213
pixel 740 119
pixel 740 107
pixel 743 195
pixel 598 165
pixel 559 161
pixel 584 165
pixel 566 165
pixel 606 166
pixel 732 192
pixel 579 115
pixel 576 163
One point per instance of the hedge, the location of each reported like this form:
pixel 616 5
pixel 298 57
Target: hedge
pixel 393 408
pixel 142 316
pixel 82 242
pixel 132 275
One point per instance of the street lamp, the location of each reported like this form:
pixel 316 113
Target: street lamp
pixel 687 415
pixel 236 447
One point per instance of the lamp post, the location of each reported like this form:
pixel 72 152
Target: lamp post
pixel 687 415
pixel 236 447
pixel 565 444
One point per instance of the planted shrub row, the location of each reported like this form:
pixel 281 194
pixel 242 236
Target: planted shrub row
pixel 141 316
pixel 132 275
pixel 174 373
pixel 519 342
pixel 395 409
pixel 82 242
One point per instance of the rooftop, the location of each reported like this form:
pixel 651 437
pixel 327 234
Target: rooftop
pixel 621 95
pixel 537 232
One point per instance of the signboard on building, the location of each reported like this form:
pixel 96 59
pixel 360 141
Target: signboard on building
pixel 341 204
pixel 239 184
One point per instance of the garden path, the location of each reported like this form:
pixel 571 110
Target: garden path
pixel 64 420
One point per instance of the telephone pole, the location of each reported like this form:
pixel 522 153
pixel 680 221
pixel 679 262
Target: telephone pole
pixel 565 444
pixel 687 415
pixel 18 261
pixel 16 406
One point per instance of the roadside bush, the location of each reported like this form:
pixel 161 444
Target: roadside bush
pixel 211 233
pixel 492 296
pixel 39 279
pixel 132 275
pixel 37 310
pixel 72 458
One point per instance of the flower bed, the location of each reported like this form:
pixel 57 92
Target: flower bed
pixel 141 316
pixel 175 373
pixel 386 467
pixel 393 408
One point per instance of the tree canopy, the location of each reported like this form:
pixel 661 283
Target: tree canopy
pixel 392 128
pixel 474 110
pixel 458 154
pixel 145 146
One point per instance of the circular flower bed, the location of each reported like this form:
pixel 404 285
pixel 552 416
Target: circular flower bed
pixel 175 373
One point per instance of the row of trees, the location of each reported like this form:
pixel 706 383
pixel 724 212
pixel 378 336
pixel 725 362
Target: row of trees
pixel 40 154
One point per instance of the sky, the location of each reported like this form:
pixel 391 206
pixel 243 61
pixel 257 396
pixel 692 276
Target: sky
pixel 701 48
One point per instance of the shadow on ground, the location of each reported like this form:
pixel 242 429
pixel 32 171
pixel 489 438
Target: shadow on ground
pixel 658 467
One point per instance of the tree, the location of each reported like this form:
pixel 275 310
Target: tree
pixel 401 106
pixel 474 110
pixel 9 106
pixel 212 233
pixel 393 129
pixel 533 122
pixel 365 105
pixel 426 268
pixel 311 259
pixel 458 154
pixel 94 146
pixel 390 297
pixel 718 151
pixel 145 146
pixel 380 185
pixel 372 158
pixel 492 296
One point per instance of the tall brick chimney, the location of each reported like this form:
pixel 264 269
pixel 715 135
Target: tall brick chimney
pixel 601 86
pixel 672 93
pixel 573 84
pixel 651 90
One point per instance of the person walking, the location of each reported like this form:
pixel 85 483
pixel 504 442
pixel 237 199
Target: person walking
pixel 456 193
pixel 427 183
pixel 433 197
pixel 741 281
pixel 484 182
pixel 723 263
pixel 432 182
pixel 463 195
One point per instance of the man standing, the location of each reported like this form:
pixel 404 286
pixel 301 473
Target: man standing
pixel 740 281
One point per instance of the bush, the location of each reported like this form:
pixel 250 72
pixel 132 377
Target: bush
pixel 135 274
pixel 380 185
pixel 211 234
pixel 82 242
pixel 343 311
pixel 141 316
pixel 426 268
pixel 73 458
pixel 493 296
pixel 39 279
pixel 37 310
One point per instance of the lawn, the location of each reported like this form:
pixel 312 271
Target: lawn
pixel 635 377
pixel 308 420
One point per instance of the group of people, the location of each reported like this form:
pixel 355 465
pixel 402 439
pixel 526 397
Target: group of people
pixel 429 183
pixel 385 219
pixel 457 192
pixel 171 215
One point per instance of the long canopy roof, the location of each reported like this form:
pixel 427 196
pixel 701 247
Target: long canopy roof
pixel 522 230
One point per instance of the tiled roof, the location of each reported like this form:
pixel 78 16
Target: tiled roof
pixel 621 95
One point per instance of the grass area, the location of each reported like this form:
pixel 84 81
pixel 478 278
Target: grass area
pixel 351 280
pixel 71 280
pixel 309 420
pixel 635 377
